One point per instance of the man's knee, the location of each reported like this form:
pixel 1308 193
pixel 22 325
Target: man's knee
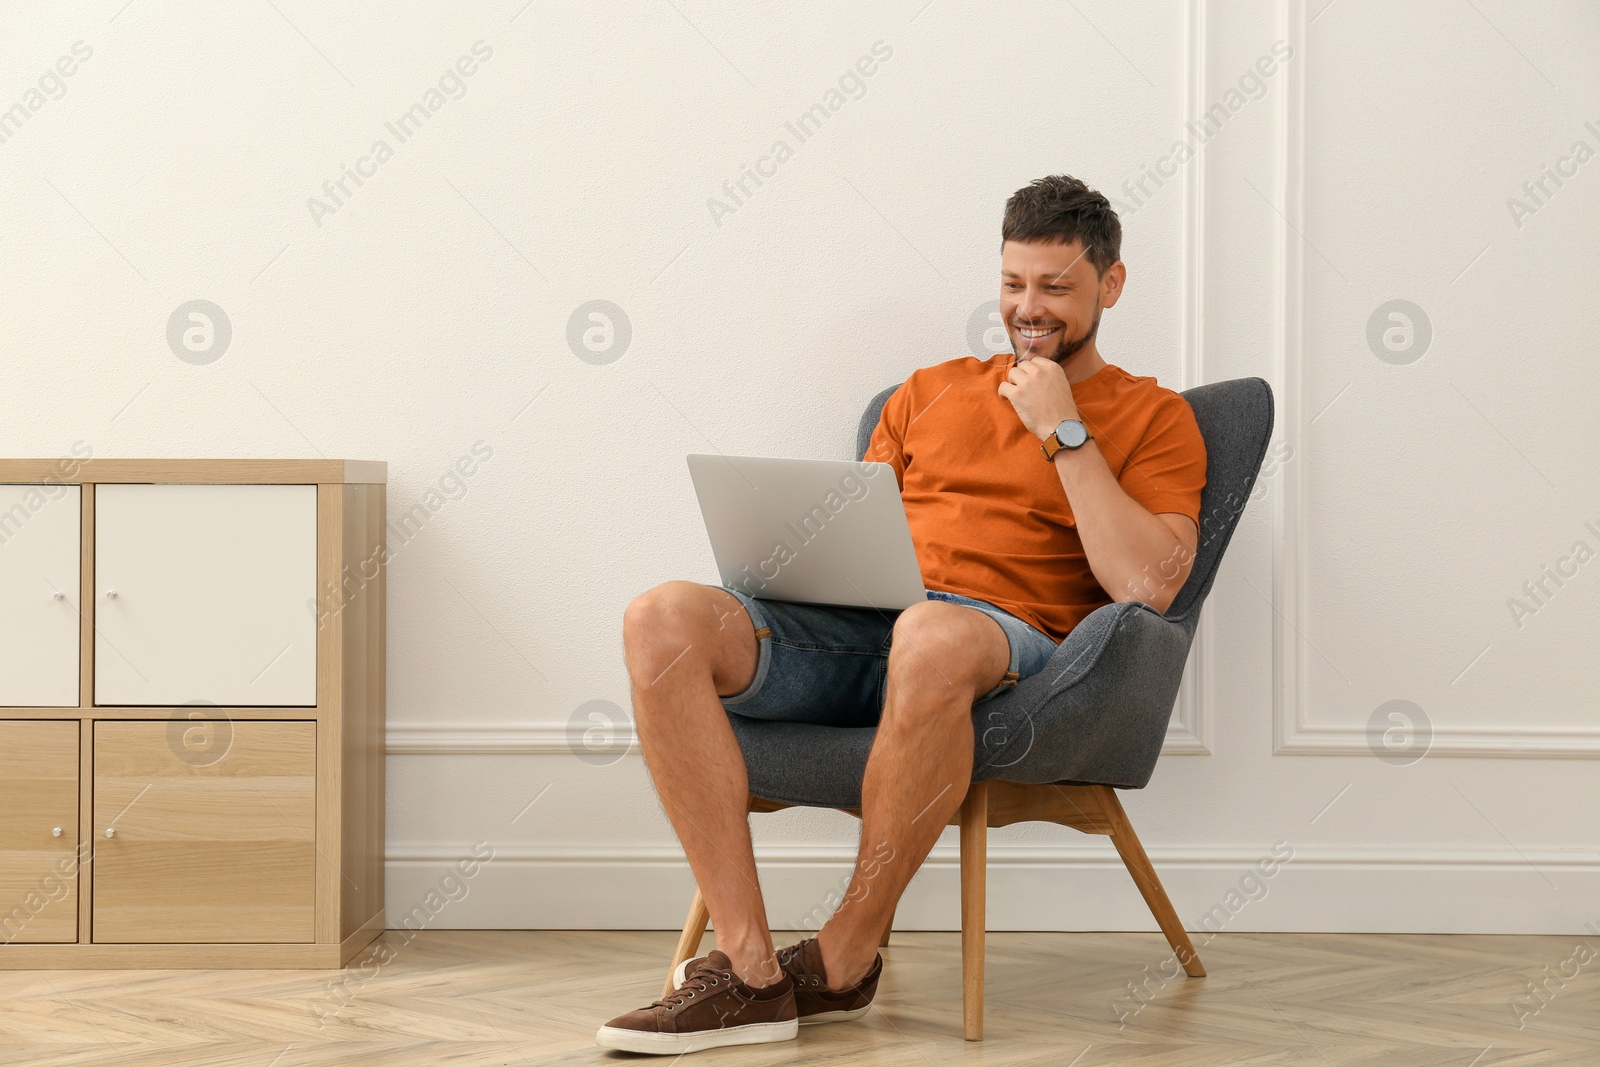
pixel 938 646
pixel 689 626
pixel 662 622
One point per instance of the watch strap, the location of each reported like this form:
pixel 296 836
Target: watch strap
pixel 1052 444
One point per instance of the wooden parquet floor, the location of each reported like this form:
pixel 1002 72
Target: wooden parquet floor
pixel 495 997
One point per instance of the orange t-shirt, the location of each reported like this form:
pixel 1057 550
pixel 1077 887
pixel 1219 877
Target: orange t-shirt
pixel 988 514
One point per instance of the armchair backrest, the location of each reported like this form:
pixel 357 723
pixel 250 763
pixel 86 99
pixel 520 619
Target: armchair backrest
pixel 1235 418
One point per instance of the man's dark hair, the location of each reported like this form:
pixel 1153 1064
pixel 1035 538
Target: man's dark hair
pixel 1061 209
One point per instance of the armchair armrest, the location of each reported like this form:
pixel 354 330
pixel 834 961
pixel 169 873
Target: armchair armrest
pixel 1098 712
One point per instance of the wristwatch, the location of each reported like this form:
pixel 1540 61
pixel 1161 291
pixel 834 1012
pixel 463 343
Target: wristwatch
pixel 1070 434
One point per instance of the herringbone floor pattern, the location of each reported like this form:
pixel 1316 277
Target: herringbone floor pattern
pixel 489 997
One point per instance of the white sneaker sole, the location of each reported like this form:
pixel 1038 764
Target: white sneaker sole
pixel 835 1016
pixel 677 1044
pixel 682 972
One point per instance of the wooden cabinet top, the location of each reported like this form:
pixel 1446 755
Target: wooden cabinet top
pixel 76 469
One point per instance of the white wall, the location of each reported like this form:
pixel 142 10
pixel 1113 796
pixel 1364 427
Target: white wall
pixel 429 311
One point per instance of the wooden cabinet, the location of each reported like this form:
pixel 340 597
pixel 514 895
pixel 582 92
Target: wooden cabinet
pixel 205 593
pixel 38 832
pixel 39 595
pixel 210 843
pixel 192 750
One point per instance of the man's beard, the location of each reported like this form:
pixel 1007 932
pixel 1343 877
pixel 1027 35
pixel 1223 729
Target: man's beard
pixel 1066 349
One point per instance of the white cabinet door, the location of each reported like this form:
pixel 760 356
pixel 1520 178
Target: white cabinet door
pixel 39 539
pixel 205 594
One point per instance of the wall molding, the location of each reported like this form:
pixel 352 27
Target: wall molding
pixel 1188 734
pixel 457 738
pixel 1053 887
pixel 1295 736
pixel 501 739
pixel 1093 853
pixel 1293 731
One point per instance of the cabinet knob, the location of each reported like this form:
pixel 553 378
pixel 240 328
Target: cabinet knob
pixel 59 595
pixel 111 831
pixel 56 832
pixel 111 594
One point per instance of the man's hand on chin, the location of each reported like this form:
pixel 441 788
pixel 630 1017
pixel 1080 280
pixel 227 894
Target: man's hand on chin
pixel 1040 393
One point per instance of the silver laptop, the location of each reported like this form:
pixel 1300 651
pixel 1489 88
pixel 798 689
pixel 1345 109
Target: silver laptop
pixel 808 530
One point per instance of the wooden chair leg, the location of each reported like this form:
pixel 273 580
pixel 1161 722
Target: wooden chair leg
pixel 883 942
pixel 1144 876
pixel 694 928
pixel 974 915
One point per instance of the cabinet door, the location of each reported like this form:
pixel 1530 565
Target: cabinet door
pixel 38 831
pixel 39 539
pixel 204 843
pixel 205 594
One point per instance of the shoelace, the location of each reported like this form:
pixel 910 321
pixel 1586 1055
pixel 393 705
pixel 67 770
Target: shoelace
pixel 700 981
pixel 789 960
pixel 790 954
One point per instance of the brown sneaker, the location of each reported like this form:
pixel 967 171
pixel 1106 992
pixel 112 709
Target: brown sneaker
pixel 814 1001
pixel 709 1008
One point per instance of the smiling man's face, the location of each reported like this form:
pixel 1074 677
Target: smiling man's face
pixel 1051 298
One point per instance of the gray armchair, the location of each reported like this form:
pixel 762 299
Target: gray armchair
pixel 1059 745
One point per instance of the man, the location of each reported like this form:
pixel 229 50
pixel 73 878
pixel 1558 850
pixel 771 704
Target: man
pixel 1038 486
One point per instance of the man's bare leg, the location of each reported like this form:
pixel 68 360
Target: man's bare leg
pixel 685 644
pixel 944 656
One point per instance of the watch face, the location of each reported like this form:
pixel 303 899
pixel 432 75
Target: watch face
pixel 1071 433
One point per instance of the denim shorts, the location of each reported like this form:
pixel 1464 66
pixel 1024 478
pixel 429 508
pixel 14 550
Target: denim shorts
pixel 829 665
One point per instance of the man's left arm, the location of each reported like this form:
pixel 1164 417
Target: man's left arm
pixel 1134 554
